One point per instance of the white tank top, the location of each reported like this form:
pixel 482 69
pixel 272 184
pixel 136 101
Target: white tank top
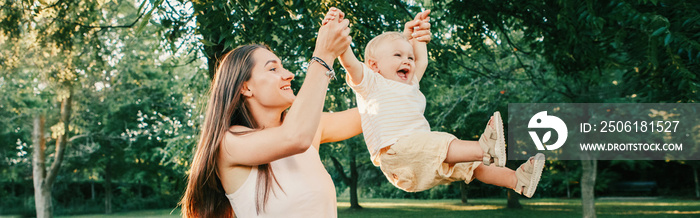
pixel 308 189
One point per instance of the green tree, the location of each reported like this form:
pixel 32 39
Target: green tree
pixel 612 51
pixel 484 57
pixel 54 51
pixel 56 71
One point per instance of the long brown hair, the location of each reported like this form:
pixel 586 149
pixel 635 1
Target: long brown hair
pixel 205 195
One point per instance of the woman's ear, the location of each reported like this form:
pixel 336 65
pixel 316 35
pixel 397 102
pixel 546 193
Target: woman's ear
pixel 372 64
pixel 245 90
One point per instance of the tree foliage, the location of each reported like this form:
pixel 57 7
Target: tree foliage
pixel 140 72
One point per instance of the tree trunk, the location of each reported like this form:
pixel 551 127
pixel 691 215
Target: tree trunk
pixel 350 181
pixel 138 189
pixel 463 192
pixel 567 181
pixel 697 183
pixel 354 201
pixel 92 189
pixel 514 200
pixel 13 193
pixel 42 196
pixel 588 177
pixel 214 54
pixel 43 178
pixel 108 191
pixel 513 196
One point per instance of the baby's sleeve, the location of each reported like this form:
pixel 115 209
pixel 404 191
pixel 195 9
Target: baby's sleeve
pixel 368 82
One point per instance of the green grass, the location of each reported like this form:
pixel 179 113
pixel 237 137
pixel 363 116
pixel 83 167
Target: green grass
pixel 163 213
pixel 539 208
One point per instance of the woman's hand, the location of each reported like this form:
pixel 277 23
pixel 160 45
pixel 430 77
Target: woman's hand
pixel 419 28
pixel 333 37
pixel 332 12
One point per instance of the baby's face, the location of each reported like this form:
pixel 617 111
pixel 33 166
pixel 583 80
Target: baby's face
pixel 395 60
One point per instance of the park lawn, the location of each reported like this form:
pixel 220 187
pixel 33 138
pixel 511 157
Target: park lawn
pixel 539 208
pixel 160 213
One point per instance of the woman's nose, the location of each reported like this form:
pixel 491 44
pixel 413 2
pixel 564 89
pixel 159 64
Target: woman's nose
pixel 287 75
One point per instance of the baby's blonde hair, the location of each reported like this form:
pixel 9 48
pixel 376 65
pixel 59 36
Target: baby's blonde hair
pixel 376 41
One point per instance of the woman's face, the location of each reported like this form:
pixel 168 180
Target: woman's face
pixel 270 83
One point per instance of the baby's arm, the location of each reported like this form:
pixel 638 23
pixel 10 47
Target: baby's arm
pixel 348 59
pixel 352 65
pixel 418 31
pixel 420 49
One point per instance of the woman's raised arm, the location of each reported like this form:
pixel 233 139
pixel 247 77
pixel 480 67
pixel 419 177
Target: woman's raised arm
pixel 296 133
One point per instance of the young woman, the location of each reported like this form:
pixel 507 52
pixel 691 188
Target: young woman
pixel 258 151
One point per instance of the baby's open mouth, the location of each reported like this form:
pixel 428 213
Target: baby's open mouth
pixel 403 73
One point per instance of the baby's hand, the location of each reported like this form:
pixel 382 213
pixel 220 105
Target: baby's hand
pixel 332 12
pixel 419 28
pixel 422 33
pixel 330 16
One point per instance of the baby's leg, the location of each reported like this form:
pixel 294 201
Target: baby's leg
pixel 524 180
pixel 499 176
pixel 464 151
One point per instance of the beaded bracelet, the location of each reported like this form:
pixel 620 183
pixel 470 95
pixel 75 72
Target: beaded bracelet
pixel 330 73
